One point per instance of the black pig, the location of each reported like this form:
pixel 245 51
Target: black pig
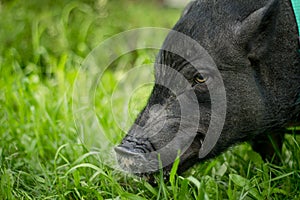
pixel 245 70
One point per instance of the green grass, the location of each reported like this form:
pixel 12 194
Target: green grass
pixel 41 156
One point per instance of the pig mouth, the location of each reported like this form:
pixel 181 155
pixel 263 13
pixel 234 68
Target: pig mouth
pixel 141 166
pixel 135 155
pixel 139 157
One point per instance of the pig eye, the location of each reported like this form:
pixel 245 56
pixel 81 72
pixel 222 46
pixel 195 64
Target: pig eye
pixel 199 79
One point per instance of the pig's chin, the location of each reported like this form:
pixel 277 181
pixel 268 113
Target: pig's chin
pixel 134 158
pixel 187 160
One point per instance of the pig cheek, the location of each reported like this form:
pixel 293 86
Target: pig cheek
pixel 246 108
pixel 166 135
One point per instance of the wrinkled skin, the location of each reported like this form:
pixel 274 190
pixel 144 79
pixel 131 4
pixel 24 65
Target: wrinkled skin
pixel 254 46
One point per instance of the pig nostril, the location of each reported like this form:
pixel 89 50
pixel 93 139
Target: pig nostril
pixel 137 145
pixel 124 151
pixel 129 152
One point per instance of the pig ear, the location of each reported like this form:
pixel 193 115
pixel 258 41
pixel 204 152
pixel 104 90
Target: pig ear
pixel 254 32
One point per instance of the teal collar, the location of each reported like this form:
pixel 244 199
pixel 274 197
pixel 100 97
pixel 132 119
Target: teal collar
pixel 296 7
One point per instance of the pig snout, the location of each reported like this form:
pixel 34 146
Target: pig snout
pixel 136 155
pixel 137 145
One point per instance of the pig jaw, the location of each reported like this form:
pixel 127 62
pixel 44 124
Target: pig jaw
pixel 146 162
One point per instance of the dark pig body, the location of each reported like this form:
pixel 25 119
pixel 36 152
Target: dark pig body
pixel 254 47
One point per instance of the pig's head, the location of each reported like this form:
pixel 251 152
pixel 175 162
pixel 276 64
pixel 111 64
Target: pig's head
pixel 215 47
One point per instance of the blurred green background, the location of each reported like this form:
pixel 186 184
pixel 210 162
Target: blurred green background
pixel 35 31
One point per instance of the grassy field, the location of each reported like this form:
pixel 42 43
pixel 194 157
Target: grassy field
pixel 43 44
